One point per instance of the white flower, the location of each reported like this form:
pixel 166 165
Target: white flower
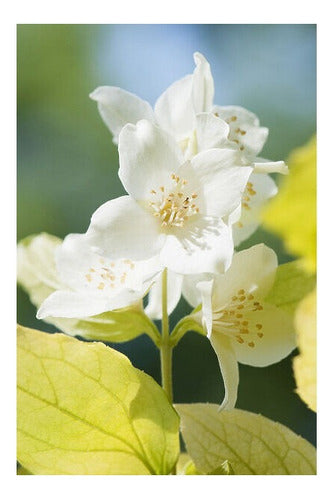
pixel 241 326
pixel 245 131
pixel 187 112
pixel 247 217
pixel 92 284
pixel 175 110
pixel 174 208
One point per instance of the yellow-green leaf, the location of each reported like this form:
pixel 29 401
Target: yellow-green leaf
pixel 292 213
pixel 186 467
pixel 37 275
pixel 251 443
pixel 291 285
pixel 84 409
pixel 21 471
pixel 304 364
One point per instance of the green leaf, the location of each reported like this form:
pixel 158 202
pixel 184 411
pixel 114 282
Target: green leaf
pixel 21 471
pixel 186 467
pixel 84 409
pixel 291 285
pixel 38 277
pixel 251 443
pixel 292 213
pixel 305 364
pixel 225 469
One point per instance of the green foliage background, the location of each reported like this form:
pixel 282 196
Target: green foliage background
pixel 67 163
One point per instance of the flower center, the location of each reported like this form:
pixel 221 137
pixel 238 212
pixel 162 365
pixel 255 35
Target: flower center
pixel 246 198
pixel 236 133
pixel 175 207
pixel 112 275
pixel 236 321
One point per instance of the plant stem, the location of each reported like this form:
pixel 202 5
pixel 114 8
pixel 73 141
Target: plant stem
pixel 166 349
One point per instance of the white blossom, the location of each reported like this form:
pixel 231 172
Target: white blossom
pixel 241 325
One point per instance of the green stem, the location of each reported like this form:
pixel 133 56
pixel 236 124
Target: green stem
pixel 166 350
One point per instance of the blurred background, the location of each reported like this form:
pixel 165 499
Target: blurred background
pixel 67 163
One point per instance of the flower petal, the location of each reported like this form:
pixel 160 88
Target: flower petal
pixel 205 290
pixel 83 270
pixel 203 85
pixel 276 340
pixel 73 259
pixel 245 128
pixel 260 188
pixel 120 228
pixel 228 367
pixel 252 270
pixel 118 107
pixel 222 183
pixel 174 286
pixel 174 109
pixel 222 346
pixel 148 156
pixel 212 132
pixel 262 166
pixel 202 245
pixel 68 304
pixel 191 287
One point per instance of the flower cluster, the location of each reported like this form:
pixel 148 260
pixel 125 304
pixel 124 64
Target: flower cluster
pixel 195 187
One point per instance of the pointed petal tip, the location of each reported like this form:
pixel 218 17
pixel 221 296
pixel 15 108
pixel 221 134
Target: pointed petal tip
pixel 95 94
pixel 199 57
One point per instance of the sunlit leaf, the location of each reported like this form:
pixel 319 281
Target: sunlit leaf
pixel 21 471
pixel 292 213
pixel 37 275
pixel 304 364
pixel 84 409
pixel 251 443
pixel 291 285
pixel 186 467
